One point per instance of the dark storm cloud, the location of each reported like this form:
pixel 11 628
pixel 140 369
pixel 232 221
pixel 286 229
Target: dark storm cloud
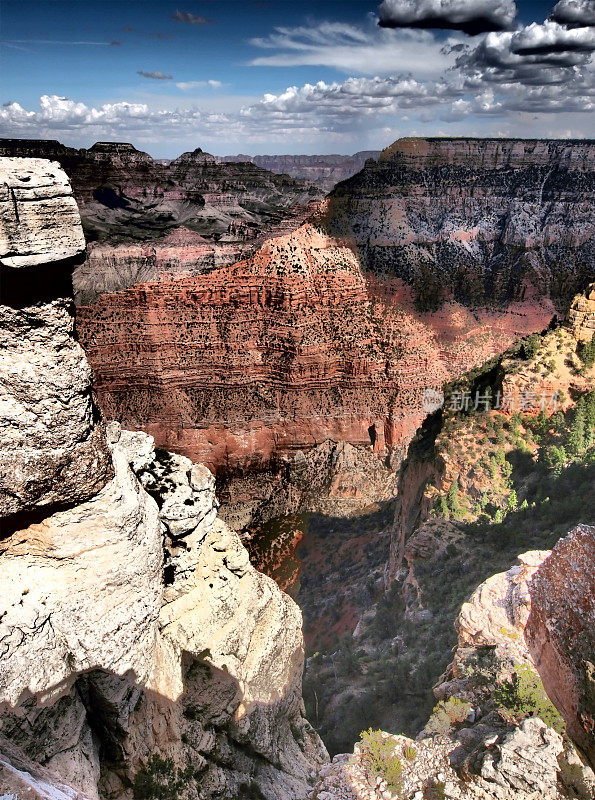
pixel 155 76
pixel 470 16
pixel 189 19
pixel 552 38
pixel 574 12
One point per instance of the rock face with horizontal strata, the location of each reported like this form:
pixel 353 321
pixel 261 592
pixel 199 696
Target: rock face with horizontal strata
pixel 144 219
pixel 425 264
pixel 282 352
pixel 52 446
pixel 477 219
pixel 324 171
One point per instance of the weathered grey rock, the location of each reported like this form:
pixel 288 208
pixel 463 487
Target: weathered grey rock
pixel 102 665
pixel 81 590
pixel 39 218
pixel 21 777
pixel 52 447
pixel 526 760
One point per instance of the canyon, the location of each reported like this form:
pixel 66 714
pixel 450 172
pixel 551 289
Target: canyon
pixel 323 171
pixel 138 639
pixel 143 219
pixel 428 262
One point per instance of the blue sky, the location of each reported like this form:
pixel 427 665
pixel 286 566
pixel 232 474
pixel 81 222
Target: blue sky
pixel 266 77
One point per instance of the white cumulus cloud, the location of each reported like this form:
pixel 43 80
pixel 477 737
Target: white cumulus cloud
pixel 574 12
pixel 188 85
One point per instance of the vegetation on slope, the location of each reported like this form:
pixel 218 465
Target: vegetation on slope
pixel 508 481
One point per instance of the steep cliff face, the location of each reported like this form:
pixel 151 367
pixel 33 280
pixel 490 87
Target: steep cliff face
pixel 323 171
pixel 138 642
pixel 424 264
pixel 560 632
pixel 293 347
pixel 145 219
pixel 478 219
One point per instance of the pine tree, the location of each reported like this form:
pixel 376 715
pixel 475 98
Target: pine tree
pixel 542 423
pixel 587 353
pixel 452 497
pixel 498 516
pixel 444 507
pixel 576 437
pixel 512 501
pixel 590 409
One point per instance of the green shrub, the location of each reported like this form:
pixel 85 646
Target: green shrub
pixel 531 346
pixel 161 780
pixel 524 696
pixel 379 760
pixel 410 752
pixel 446 715
pixel 586 352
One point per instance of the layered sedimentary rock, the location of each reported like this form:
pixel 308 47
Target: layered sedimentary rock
pixel 136 640
pixel 424 264
pixel 560 632
pixel 145 219
pixel 52 449
pixel 323 171
pixel 478 219
pixel 279 353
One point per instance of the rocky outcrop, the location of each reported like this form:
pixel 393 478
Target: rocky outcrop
pixel 581 315
pixel 52 446
pixel 518 764
pixel 560 632
pixel 145 219
pixel 323 171
pixel 477 744
pixel 104 666
pixel 137 642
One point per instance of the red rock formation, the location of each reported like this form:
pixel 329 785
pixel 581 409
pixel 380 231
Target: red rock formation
pixel 285 350
pixel 144 218
pixel 560 632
